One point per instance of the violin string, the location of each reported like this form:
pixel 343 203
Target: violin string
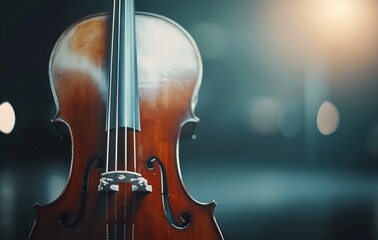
pixel 134 74
pixel 109 111
pixel 127 78
pixel 122 14
pixel 126 117
pixel 110 86
pixel 117 99
pixel 135 90
pixel 117 115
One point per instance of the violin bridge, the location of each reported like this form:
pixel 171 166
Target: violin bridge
pixel 110 181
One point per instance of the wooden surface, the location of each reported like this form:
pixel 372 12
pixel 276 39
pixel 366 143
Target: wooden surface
pixel 170 70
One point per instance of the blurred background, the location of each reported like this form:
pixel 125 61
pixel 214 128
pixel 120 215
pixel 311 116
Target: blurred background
pixel 288 139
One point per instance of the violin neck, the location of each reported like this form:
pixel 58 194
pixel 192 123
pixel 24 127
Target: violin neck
pixel 123 97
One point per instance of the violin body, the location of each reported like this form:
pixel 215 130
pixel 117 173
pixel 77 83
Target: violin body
pixel 169 76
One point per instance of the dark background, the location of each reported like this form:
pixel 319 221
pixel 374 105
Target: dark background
pixel 268 67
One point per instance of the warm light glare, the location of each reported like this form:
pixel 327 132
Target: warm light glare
pixel 341 10
pixel 339 18
pixel 328 119
pixel 7 118
pixel 342 30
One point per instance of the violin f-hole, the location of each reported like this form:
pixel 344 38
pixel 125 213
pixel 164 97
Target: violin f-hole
pixel 64 218
pixel 185 217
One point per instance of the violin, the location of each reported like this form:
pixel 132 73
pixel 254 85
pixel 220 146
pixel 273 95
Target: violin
pixel 125 85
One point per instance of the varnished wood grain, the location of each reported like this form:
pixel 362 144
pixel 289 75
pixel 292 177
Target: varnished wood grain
pixel 168 93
